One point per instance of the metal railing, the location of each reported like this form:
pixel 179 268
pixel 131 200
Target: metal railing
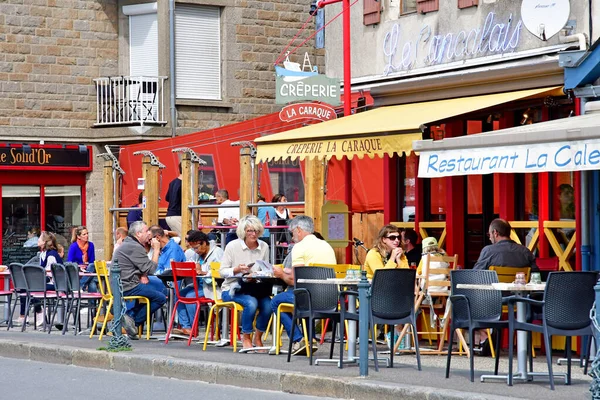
pixel 130 100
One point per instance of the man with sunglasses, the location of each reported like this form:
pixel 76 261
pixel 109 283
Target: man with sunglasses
pixel 504 252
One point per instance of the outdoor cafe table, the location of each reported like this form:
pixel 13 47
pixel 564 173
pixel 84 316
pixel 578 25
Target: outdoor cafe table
pixel 519 290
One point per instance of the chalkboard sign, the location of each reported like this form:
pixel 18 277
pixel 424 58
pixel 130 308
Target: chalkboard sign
pixel 13 250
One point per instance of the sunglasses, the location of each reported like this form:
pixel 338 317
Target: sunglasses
pixel 393 237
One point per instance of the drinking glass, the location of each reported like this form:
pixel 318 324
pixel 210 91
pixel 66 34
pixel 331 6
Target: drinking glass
pixel 536 278
pixel 520 278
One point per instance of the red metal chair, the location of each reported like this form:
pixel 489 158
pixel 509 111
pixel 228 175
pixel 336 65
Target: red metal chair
pixel 183 270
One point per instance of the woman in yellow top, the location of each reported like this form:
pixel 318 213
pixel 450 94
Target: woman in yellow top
pixel 386 253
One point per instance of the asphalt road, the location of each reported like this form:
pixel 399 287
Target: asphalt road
pixel 38 380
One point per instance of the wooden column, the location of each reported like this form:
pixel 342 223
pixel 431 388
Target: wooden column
pixel 150 175
pixel 314 193
pixel 248 175
pixel 390 189
pixel 189 192
pixel 109 202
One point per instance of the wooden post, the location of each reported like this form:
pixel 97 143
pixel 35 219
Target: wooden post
pixel 150 175
pixel 314 194
pixel 248 175
pixel 189 192
pixel 109 202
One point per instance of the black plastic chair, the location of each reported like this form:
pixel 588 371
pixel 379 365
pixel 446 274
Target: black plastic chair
pixel 393 303
pixel 63 294
pixel 314 301
pixel 77 296
pixel 568 298
pixel 35 278
pixel 19 289
pixel 474 309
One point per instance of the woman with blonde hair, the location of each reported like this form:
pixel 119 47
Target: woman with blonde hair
pixel 238 260
pixel 386 252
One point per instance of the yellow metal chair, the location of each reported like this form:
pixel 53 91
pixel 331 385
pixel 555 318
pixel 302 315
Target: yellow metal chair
pixel 219 304
pixel 108 299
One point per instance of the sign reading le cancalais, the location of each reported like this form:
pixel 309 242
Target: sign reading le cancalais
pixel 295 84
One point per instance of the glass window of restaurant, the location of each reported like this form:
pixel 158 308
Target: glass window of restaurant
pixel 207 179
pixel 286 177
pixel 27 210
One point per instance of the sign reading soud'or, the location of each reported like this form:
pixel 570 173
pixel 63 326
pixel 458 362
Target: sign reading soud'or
pixel 542 157
pixel 292 88
pixel 36 157
pixel 321 112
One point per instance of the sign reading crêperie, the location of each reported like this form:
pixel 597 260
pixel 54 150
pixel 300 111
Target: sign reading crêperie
pixel 539 157
pixel 311 88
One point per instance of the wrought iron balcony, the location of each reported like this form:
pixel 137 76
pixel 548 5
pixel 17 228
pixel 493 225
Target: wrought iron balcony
pixel 130 100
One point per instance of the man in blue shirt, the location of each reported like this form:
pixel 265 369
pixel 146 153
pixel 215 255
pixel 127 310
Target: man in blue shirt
pixel 169 251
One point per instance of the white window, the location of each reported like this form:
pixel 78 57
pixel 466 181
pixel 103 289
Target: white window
pixel 143 39
pixel 198 52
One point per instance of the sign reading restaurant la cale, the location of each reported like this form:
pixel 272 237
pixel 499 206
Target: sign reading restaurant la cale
pixel 539 157
pixel 490 38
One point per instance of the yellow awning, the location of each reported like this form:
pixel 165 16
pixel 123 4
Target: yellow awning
pixel 385 130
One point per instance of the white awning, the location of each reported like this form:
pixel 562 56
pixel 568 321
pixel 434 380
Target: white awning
pixel 568 144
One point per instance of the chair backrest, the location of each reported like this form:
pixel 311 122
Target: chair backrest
pixel 35 277
pixel 340 269
pixel 181 270
pixel 324 297
pixel 437 265
pixel 73 275
pixel 507 274
pixel 16 274
pixel 393 293
pixel 103 280
pixel 215 272
pixel 569 297
pixel 60 277
pixel 484 304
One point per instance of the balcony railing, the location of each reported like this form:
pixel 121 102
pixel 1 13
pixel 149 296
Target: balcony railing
pixel 130 100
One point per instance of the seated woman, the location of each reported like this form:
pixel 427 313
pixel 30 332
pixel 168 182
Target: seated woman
pixel 82 252
pixel 238 260
pixel 430 246
pixel 386 252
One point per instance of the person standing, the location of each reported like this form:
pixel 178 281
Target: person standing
pixel 504 252
pixel 308 249
pixel 136 214
pixel 174 199
pixel 229 215
pixel 135 267
pixel 267 216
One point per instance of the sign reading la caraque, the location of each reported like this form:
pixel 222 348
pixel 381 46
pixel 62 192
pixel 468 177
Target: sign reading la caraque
pixel 540 157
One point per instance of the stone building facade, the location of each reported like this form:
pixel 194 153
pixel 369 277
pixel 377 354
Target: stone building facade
pixel 52 54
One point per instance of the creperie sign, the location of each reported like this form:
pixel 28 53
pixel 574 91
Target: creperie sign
pixel 321 112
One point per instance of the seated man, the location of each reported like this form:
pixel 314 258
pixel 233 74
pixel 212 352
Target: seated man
pixel 135 267
pixel 169 251
pixel 202 253
pixel 307 250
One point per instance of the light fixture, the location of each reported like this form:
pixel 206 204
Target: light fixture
pixel 526 116
pixel 82 149
pixel 26 149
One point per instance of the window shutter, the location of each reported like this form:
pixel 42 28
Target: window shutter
pixel 198 52
pixel 467 3
pixel 143 45
pixel 425 6
pixel 371 12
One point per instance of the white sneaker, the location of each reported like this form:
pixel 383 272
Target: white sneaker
pixel 222 343
pixel 39 319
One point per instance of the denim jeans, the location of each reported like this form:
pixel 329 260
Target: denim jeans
pixel 186 312
pixel 286 318
pixel 157 284
pixel 138 311
pixel 251 304
pixel 89 283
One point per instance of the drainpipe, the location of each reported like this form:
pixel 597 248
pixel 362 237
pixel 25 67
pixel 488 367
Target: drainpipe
pixel 172 66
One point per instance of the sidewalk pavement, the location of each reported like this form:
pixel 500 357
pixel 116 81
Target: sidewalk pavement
pixel 269 372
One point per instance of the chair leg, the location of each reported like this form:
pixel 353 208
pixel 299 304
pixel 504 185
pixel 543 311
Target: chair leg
pixel 171 321
pixel 530 350
pixel 392 331
pixel 587 354
pixel 27 306
pixel 568 345
pixel 471 358
pixel 212 312
pixel 449 358
pixel 291 338
pixel 511 338
pixel 417 351
pixel 311 330
pixel 194 324
pixel 342 328
pixel 374 343
pixel 12 312
pixel 498 341
pixel 95 322
pixel 333 332
pixel 547 341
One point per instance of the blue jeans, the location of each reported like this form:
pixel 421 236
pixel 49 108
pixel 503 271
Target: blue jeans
pixel 286 318
pixel 89 283
pixel 138 311
pixel 187 312
pixel 157 284
pixel 251 304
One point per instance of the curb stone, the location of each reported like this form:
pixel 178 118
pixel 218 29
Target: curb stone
pixel 233 375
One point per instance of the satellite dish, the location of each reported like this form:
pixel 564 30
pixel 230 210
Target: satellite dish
pixel 545 18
